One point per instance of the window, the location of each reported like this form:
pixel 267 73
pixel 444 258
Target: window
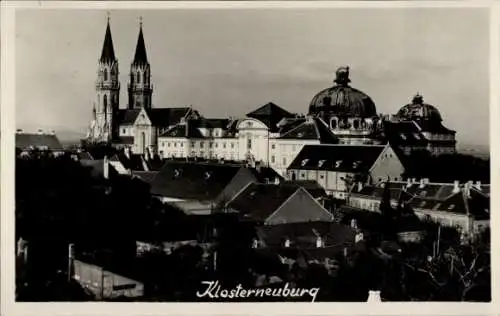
pixel 201 144
pixel 211 144
pixel 249 124
pixel 105 101
pixel 193 144
pixel 273 146
pixel 249 143
pixel 168 144
pixel 124 131
pixel 284 161
pixel 105 75
pixel 232 145
pixel 333 123
pixel 321 163
pixel 355 124
pixel 182 144
pixel 322 177
pixel 304 162
pixel 138 77
pixel 273 159
pixel 423 193
pixel 338 163
pixel 452 206
pixel 224 145
pixel 216 145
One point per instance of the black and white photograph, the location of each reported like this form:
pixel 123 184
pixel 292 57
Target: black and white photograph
pixel 252 154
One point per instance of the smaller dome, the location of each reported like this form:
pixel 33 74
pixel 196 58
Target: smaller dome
pixel 419 111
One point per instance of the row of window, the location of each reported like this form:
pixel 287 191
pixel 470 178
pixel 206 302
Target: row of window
pixel 231 156
pixel 193 144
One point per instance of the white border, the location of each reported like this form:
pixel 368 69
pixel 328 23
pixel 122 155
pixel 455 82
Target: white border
pixel 7 176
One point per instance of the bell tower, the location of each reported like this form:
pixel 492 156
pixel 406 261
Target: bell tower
pixel 107 93
pixel 140 88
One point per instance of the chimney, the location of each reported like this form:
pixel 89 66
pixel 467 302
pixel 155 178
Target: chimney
pixel 408 183
pixel 19 131
pixel 467 186
pixel 106 168
pixel 40 132
pixel 319 242
pixel 277 180
pixel 360 186
pixel 287 243
pixel 358 237
pixel 422 184
pixel 127 152
pixel 258 167
pixel 478 185
pixel 354 223
pixel 426 181
pixel 414 180
pixel 374 297
pixel 186 128
pixel 456 186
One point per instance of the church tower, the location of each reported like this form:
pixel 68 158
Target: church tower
pixel 140 88
pixel 107 94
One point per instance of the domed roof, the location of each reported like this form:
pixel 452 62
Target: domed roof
pixel 343 100
pixel 418 110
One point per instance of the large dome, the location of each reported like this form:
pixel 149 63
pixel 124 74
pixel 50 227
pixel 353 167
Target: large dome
pixel 420 111
pixel 342 100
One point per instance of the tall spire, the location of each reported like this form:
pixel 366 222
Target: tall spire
pixel 140 50
pixel 108 52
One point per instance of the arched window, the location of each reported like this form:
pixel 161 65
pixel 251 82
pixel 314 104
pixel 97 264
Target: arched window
pixel 105 101
pixel 144 147
pixel 355 124
pixel 138 77
pixel 144 79
pixel 105 75
pixel 333 123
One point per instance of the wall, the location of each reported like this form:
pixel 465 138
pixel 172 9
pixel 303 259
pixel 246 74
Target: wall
pixel 387 166
pixel 91 277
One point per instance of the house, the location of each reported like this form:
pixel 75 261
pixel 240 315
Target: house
pixel 272 204
pixel 465 206
pixel 202 187
pixel 41 141
pixel 126 162
pixel 338 167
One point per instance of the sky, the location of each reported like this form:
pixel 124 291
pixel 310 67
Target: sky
pixel 228 62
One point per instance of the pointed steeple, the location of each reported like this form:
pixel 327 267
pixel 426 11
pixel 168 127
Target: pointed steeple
pixel 140 57
pixel 108 52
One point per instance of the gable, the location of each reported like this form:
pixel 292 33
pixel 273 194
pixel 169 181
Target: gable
pixel 387 165
pixel 240 181
pixel 142 118
pixel 301 207
pixel 250 124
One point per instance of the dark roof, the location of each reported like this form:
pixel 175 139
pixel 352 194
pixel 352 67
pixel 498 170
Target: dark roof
pixel 259 201
pixel 159 116
pixel 108 52
pixel 304 235
pixel 311 186
pixel 131 162
pixel 407 133
pixel 347 158
pixel 127 140
pixel 314 128
pixel 127 117
pixel 26 141
pixel 270 114
pixel 154 163
pixel 146 176
pixel 192 180
pixel 140 57
pixel 85 155
pixel 97 168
